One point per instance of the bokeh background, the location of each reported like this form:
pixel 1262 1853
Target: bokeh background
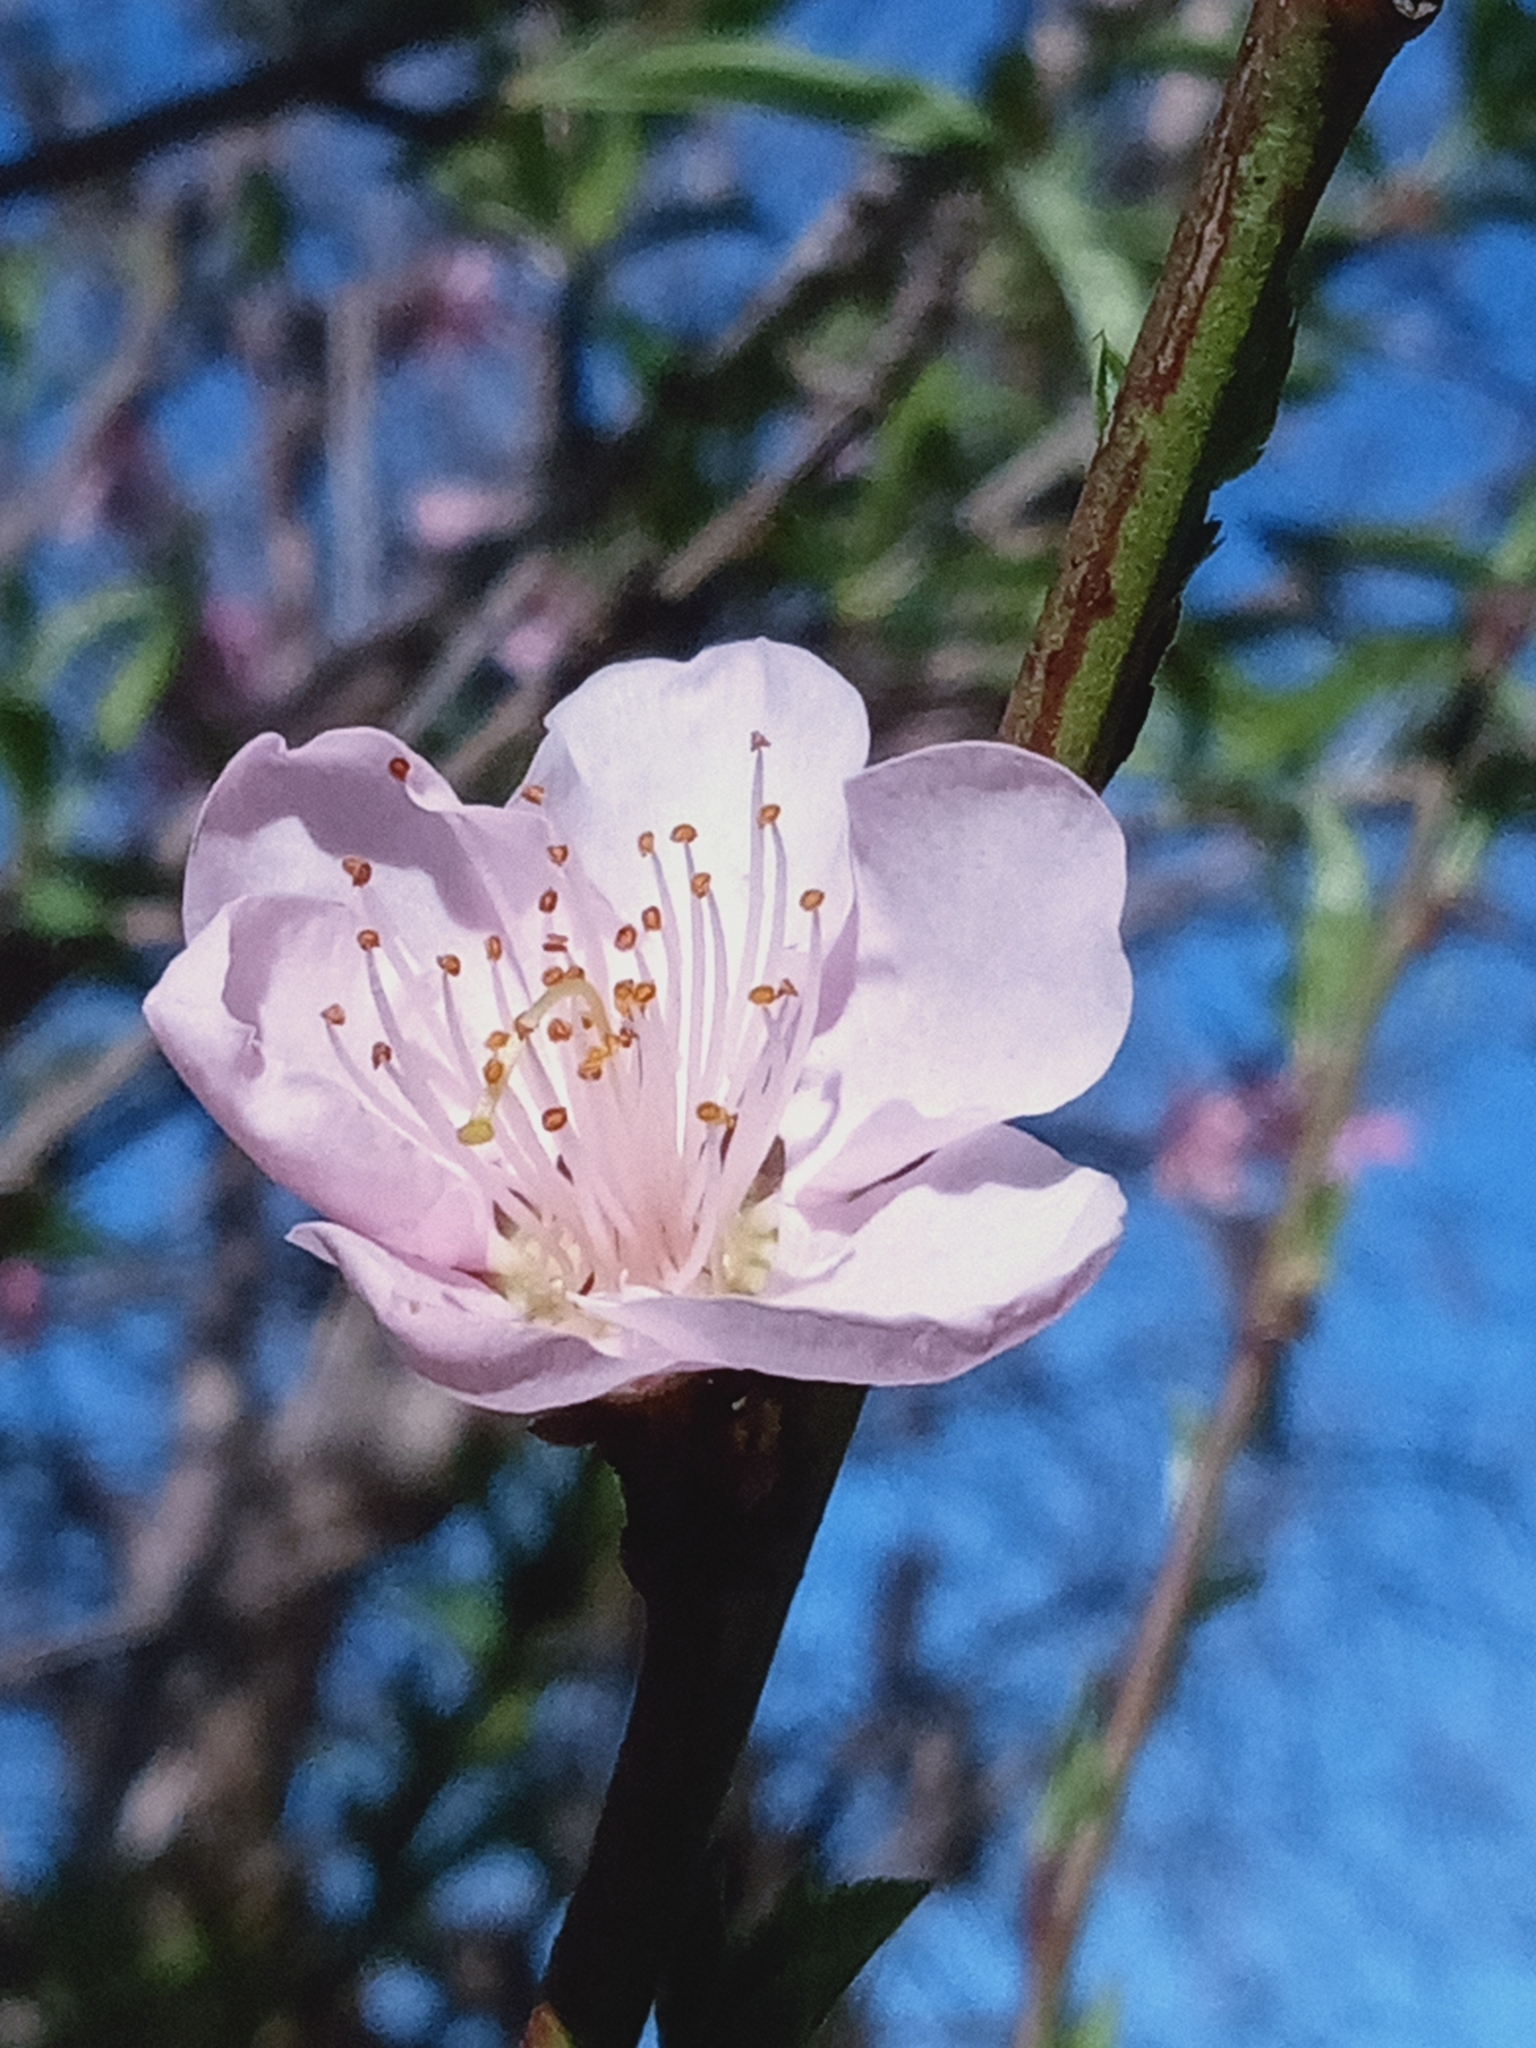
pixel 394 363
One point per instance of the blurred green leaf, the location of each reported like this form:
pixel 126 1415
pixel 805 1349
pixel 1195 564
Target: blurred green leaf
pixel 263 222
pixel 1078 1790
pixel 142 678
pixel 1097 2027
pixel 773 1987
pixel 21 292
pixel 1104 291
pixel 1336 934
pixel 617 73
pixel 59 905
pixel 29 751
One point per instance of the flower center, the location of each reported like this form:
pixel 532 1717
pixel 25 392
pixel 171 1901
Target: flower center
pixel 616 1097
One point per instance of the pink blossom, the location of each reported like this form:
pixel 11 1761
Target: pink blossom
pixel 1217 1143
pixel 695 1054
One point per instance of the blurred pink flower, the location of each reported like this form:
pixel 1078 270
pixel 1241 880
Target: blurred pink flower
pixel 695 1054
pixel 1217 1144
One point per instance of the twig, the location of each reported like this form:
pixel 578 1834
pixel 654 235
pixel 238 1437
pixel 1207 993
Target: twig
pixel 1288 1275
pixel 334 73
pixel 48 1120
pixel 1204 378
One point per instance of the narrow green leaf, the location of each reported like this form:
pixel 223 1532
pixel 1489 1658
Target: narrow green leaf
pixel 1336 934
pixel 1104 291
pixel 141 681
pixel 1077 1793
pixel 617 73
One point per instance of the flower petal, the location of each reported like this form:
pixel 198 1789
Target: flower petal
pixel 988 979
pixel 967 1253
pixel 239 1016
pixel 462 1335
pixel 645 746
pixel 281 822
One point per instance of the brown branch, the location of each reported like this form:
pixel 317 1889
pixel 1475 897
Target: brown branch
pixel 1287 1278
pixel 332 74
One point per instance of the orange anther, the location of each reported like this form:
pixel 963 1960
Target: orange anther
pixel 813 899
pixel 382 1054
pixel 333 1013
pixel 762 994
pixel 532 793
pixel 700 884
pixel 496 1040
pixel 591 1068
pixel 494 948
pixel 559 855
pixel 548 901
pixel 368 940
pixel 647 843
pixel 555 1119
pixel 559 1030
pixel 557 943
pixel 626 938
pixel 645 993
pixel 712 1113
pixel 495 1072
pixel 360 870
pixel 450 963
pixel 553 974
pixel 399 767
pixel 650 917
pixel 769 815
pixel 625 1036
pixel 683 835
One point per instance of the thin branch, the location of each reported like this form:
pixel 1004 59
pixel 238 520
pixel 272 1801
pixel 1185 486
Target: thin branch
pixel 1286 1280
pixel 51 1116
pixel 334 74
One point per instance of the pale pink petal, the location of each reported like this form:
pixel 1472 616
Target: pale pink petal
pixel 645 746
pixel 462 1335
pixel 239 1016
pixel 967 1253
pixel 282 821
pixel 988 979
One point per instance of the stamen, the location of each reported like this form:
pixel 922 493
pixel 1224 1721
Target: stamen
pixel 494 948
pixel 495 1072
pixel 645 992
pixel 769 814
pixel 683 835
pixel 557 943
pixel 813 899
pixel 498 1040
pixel 700 884
pixel 763 994
pixel 558 854
pixel 647 843
pixel 399 767
pixel 626 938
pixel 560 1031
pixel 368 940
pixel 532 793
pixel 478 1131
pixel 712 1113
pixel 333 1013
pixel 450 963
pixel 787 987
pixel 650 917
pixel 552 976
pixel 759 741
pixel 555 1119
pixel 361 871
pixel 548 901
pixel 382 1054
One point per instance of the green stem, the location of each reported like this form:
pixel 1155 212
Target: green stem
pixel 725 1478
pixel 1204 379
